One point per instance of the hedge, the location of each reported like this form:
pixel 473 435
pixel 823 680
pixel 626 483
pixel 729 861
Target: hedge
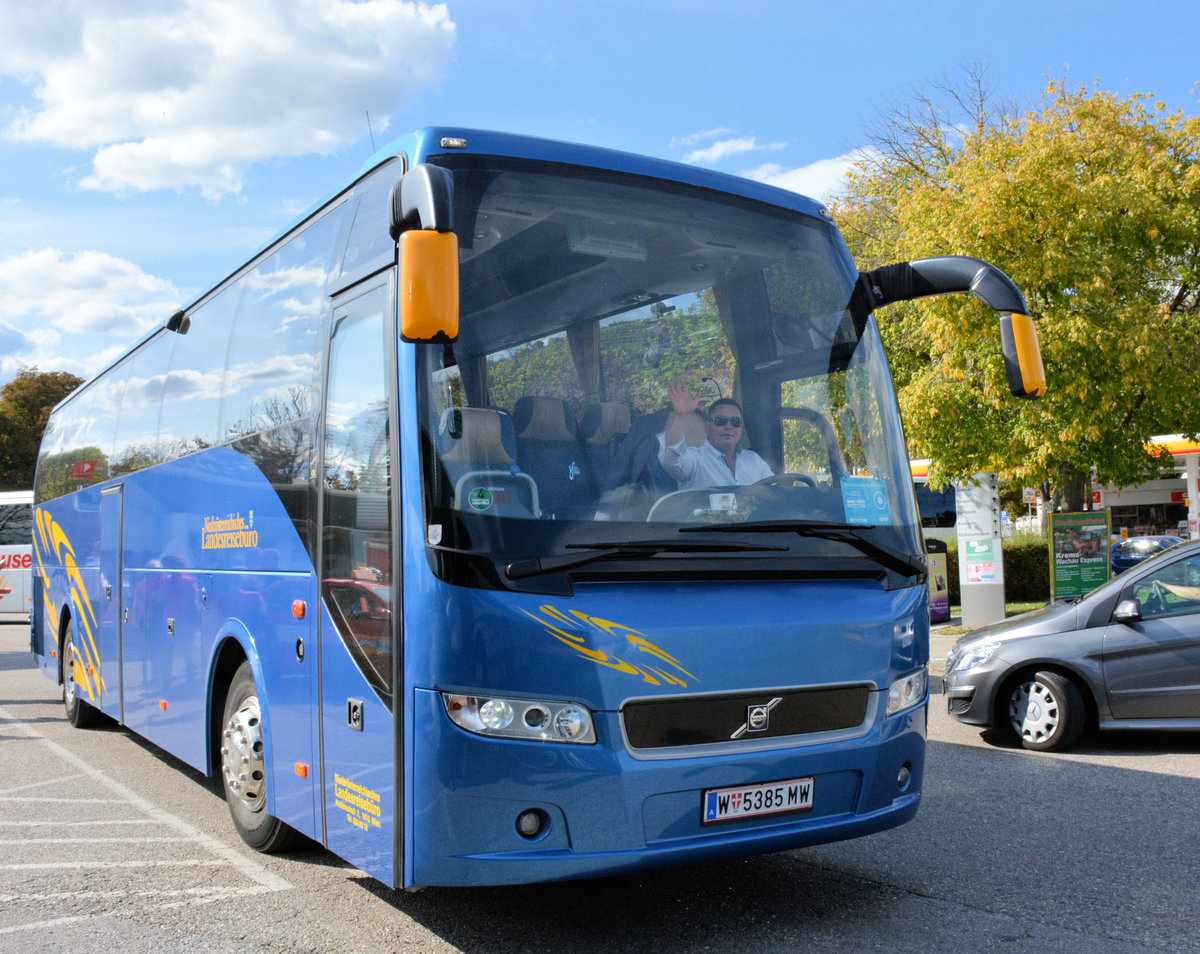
pixel 1026 570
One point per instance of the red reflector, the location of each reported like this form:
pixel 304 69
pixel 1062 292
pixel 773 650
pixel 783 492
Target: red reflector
pixel 302 770
pixel 299 608
pixel 162 704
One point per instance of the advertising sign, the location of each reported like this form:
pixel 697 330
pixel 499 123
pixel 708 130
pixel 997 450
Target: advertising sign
pixel 1078 553
pixel 939 584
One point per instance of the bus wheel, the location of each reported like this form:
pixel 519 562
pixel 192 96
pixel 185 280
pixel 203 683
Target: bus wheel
pixel 243 768
pixel 79 713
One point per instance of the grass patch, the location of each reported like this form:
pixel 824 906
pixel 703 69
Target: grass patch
pixel 1010 609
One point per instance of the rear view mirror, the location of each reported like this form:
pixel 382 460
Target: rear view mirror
pixel 428 292
pixel 422 219
pixel 1022 356
pixel 947 274
pixel 1127 611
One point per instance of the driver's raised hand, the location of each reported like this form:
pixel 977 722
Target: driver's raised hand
pixel 682 402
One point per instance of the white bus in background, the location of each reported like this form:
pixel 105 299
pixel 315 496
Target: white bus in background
pixel 16 557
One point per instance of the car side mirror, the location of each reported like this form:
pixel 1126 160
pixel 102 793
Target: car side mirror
pixel 1127 611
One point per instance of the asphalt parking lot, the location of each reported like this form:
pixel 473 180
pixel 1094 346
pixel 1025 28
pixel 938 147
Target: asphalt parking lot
pixel 107 843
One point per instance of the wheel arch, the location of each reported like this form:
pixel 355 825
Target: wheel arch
pixel 233 647
pixel 1026 670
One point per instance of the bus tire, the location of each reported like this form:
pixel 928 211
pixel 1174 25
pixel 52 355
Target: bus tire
pixel 243 768
pixel 80 713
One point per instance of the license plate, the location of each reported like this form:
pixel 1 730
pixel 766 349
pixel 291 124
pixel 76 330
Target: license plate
pixel 754 801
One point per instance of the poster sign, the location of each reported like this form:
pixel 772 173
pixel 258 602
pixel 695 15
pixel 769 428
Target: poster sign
pixel 1078 553
pixel 939 584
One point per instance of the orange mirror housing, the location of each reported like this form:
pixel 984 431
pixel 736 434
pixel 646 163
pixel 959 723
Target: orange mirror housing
pixel 428 292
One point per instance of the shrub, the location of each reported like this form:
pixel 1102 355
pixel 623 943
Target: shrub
pixel 1026 570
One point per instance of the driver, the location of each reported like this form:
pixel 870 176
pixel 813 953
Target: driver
pixel 720 461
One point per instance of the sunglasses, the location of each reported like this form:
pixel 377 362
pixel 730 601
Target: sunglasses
pixel 722 421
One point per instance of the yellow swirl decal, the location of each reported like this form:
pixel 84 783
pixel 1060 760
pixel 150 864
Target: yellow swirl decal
pixel 51 547
pixel 565 627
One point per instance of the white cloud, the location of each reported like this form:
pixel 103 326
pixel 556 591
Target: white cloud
pixel 86 292
pixel 187 93
pixel 686 142
pixel 820 180
pixel 730 147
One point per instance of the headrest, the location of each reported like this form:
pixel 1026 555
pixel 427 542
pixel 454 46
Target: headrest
pixel 605 420
pixel 474 435
pixel 540 418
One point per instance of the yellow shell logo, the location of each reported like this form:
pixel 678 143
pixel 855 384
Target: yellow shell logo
pixel 665 668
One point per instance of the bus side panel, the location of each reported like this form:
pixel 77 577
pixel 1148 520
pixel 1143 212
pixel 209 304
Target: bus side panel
pixel 207 548
pixel 283 677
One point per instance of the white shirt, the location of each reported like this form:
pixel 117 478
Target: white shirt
pixel 705 466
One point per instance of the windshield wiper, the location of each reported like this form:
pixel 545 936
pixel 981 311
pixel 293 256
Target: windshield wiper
pixel 637 550
pixel 850 533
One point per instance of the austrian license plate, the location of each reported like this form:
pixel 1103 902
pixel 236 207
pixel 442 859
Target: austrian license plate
pixel 754 801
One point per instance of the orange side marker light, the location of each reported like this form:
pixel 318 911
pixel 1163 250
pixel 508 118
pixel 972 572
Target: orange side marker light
pixel 299 608
pixel 302 770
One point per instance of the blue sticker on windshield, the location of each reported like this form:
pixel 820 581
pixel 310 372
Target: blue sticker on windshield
pixel 865 501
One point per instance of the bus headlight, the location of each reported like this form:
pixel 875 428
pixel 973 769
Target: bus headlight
pixel 907 691
pixel 532 720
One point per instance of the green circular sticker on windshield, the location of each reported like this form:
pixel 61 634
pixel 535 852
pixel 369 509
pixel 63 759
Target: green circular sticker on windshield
pixel 480 499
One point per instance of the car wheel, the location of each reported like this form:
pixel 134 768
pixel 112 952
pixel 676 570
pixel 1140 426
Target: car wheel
pixel 1046 712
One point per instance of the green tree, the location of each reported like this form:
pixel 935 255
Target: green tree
pixel 25 405
pixel 1091 202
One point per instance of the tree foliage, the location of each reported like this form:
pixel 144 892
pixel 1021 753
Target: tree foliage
pixel 1090 201
pixel 25 406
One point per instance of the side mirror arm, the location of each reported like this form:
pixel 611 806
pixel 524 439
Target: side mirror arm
pixel 948 274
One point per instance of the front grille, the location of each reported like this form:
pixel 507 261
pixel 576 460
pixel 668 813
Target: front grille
pixel 958 705
pixel 704 720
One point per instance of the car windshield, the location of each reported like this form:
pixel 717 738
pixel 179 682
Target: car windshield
pixel 584 297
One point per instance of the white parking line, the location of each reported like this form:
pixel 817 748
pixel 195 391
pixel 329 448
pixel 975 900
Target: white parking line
pixel 223 854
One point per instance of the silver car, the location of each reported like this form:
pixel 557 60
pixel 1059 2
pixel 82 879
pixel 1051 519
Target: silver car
pixel 1126 656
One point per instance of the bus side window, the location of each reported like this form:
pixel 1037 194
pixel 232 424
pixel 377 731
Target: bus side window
pixel 357 550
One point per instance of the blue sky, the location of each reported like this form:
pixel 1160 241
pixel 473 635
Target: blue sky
pixel 149 147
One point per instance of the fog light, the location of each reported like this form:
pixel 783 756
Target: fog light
pixel 529 824
pixel 902 779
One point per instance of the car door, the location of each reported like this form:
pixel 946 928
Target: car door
pixel 1152 664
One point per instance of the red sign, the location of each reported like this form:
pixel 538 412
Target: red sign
pixel 84 469
pixel 1178 496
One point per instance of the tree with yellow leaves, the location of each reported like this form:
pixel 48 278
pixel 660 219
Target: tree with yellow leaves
pixel 1091 203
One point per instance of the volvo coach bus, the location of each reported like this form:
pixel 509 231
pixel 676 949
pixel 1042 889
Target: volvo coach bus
pixel 378 530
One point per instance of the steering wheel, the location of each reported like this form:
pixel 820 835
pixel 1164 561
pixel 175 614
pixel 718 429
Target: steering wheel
pixel 786 480
pixel 1156 602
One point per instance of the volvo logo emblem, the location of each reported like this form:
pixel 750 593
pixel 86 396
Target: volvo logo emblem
pixel 758 718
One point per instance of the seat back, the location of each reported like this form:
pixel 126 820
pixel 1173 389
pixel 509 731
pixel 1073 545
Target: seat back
pixel 548 448
pixel 601 429
pixel 477 447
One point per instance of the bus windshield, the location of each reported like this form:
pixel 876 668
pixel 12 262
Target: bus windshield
pixel 584 296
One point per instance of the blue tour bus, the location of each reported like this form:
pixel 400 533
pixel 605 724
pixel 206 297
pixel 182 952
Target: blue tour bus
pixel 377 532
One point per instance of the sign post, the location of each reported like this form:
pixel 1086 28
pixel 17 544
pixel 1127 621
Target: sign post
pixel 980 551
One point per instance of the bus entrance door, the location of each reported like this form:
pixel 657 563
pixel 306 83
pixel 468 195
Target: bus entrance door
pixel 358 627
pixel 111 602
